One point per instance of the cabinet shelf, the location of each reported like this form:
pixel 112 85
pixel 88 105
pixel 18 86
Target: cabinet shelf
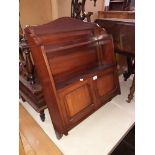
pixel 87 74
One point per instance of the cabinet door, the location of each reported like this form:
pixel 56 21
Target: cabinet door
pixel 76 102
pixel 105 85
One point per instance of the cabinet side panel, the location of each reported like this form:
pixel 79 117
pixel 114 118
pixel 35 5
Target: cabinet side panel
pixel 48 85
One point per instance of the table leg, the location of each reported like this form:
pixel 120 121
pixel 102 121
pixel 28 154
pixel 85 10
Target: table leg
pixel 42 116
pixel 132 90
pixel 131 67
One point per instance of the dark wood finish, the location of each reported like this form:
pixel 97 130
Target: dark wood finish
pixel 117 14
pixel 132 91
pixel 76 65
pixel 131 67
pixel 123 32
pixel 42 115
pixel 78 10
pixel 30 88
pixel 119 5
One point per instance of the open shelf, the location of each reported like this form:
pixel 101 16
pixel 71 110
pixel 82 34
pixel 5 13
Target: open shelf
pixel 87 74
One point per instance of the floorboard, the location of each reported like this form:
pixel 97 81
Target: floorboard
pixel 34 139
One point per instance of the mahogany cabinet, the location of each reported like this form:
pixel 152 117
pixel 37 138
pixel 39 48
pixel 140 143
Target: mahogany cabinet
pixel 76 65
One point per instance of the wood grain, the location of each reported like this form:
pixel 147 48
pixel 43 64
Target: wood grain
pixel 65 51
pixel 21 147
pixel 116 14
pixel 34 139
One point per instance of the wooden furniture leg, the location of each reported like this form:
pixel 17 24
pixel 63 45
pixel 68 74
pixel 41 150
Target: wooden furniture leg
pixel 42 116
pixel 132 90
pixel 58 135
pixel 131 67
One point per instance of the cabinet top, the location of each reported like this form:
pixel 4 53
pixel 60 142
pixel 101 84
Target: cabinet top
pixel 61 25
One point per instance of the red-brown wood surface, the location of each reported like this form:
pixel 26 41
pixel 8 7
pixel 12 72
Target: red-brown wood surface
pixel 30 88
pixel 70 55
pixel 123 32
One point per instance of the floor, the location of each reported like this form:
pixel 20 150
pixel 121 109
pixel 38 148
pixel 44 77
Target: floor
pixel 101 132
pixel 127 145
pixel 32 137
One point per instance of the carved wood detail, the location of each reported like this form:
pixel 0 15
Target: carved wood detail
pixel 29 85
pixel 78 10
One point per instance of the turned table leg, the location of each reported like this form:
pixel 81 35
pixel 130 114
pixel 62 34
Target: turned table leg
pixel 131 67
pixel 42 116
pixel 132 90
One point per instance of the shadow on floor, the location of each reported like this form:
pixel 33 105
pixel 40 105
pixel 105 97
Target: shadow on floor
pixel 127 146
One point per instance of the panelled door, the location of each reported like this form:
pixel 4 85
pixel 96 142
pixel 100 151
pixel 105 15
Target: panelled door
pixel 105 84
pixel 76 102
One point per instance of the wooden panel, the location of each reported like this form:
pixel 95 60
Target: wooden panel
pixel 67 66
pixel 105 84
pixel 72 60
pixel 63 38
pixel 77 100
pixel 107 52
pixel 116 14
pixel 34 137
pixel 123 32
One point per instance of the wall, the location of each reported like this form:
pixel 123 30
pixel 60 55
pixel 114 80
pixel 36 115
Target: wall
pixel 64 7
pixel 36 12
pixel 89 7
